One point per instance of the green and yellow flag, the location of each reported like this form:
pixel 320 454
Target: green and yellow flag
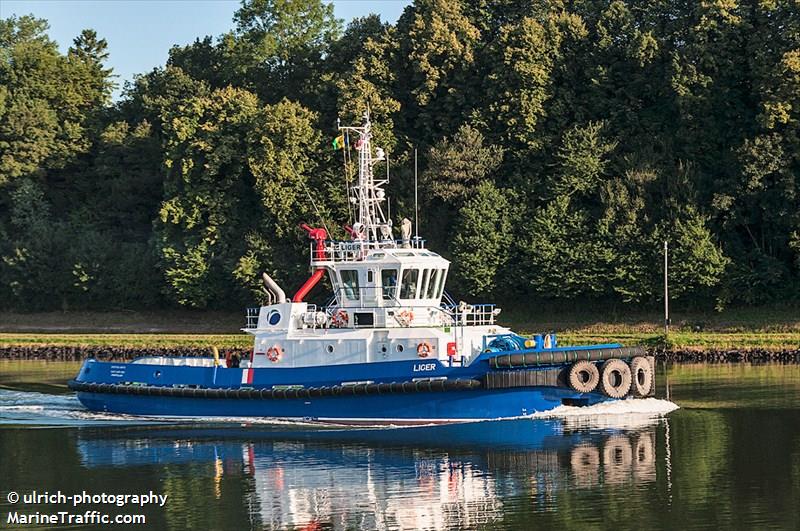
pixel 338 142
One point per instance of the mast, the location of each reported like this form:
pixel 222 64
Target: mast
pixel 368 193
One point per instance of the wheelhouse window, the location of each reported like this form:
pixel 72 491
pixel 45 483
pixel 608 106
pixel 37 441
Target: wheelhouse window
pixel 389 283
pixel 440 283
pixel 430 292
pixel 408 286
pixel 423 286
pixel 350 284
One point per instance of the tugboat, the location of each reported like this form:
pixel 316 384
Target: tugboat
pixel 391 347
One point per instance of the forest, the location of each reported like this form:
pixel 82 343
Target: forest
pixel 560 143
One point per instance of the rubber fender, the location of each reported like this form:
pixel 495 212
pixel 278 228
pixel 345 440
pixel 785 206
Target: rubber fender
pixel 642 377
pixel 584 376
pixel 552 357
pixel 615 378
pixel 247 393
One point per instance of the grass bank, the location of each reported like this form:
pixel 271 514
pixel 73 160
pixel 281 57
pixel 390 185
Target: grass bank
pixel 769 328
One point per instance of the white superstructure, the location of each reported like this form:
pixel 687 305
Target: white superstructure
pixel 388 293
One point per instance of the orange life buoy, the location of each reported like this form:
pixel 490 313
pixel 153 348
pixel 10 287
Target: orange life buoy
pixel 424 349
pixel 274 354
pixel 339 319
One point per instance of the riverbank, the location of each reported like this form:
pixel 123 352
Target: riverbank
pixel 66 352
pixel 743 330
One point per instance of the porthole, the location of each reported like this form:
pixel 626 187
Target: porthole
pixel 399 348
pixel 274 317
pixel 157 374
pixel 330 349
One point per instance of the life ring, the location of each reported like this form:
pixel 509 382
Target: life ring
pixel 584 376
pixel 424 349
pixel 615 379
pixel 405 318
pixel 641 377
pixel 339 319
pixel 274 354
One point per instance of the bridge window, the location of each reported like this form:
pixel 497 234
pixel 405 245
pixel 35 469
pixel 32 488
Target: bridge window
pixel 350 284
pixel 423 286
pixel 389 283
pixel 408 287
pixel 436 275
pixel 440 283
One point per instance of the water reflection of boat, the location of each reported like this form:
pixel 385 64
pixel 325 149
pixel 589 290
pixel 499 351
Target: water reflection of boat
pixel 410 478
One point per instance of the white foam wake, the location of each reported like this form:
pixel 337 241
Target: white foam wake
pixel 631 413
pixel 653 407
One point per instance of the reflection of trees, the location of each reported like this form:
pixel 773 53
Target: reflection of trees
pixel 206 495
pixel 700 440
pixel 735 385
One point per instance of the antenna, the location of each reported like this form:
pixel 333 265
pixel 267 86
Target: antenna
pixel 416 199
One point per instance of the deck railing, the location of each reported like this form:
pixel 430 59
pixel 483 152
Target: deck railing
pixel 472 314
pixel 251 318
pixel 356 250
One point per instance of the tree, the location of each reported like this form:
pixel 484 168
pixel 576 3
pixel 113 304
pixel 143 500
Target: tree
pixel 42 108
pixel 280 44
pixel 361 67
pixel 481 246
pixel 457 164
pixel 88 54
pixel 289 189
pixel 436 54
pixel 206 206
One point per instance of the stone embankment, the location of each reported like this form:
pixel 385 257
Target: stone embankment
pixel 729 356
pixel 78 353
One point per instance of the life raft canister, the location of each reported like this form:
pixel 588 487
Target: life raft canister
pixel 274 353
pixel 615 378
pixel 641 377
pixel 424 349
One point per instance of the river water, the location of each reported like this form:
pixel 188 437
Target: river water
pixel 728 458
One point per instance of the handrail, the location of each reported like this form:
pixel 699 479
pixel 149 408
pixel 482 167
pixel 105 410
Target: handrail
pixel 251 318
pixel 355 250
pixel 472 314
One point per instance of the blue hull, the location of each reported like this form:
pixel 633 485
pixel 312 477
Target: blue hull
pixel 420 406
pixel 451 406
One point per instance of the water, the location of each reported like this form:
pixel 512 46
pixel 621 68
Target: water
pixel 728 458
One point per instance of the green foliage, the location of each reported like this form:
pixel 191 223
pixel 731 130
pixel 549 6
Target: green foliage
pixel 481 245
pixel 201 218
pixel 560 144
pixel 457 164
pixel 437 45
